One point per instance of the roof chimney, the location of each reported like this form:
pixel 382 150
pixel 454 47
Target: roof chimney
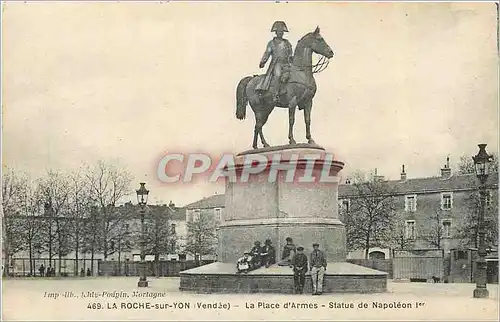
pixel 377 177
pixel 446 170
pixel 403 173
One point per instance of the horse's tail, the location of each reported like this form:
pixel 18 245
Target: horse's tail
pixel 241 98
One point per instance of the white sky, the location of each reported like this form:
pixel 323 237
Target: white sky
pixel 410 83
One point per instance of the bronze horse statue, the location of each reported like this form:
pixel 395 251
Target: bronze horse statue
pixel 298 90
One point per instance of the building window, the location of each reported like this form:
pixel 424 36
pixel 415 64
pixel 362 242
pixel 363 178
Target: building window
pixel 446 201
pixel 217 214
pixel 172 229
pixel 411 203
pixel 410 229
pixel 344 205
pixel 461 254
pixel 196 215
pixel 447 228
pixel 127 228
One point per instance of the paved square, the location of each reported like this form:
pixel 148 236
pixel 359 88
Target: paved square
pixel 35 299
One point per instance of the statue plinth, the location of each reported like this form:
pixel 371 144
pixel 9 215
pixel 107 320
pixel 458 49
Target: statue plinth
pixel 260 210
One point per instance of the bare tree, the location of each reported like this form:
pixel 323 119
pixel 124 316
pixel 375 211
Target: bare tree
pixel 399 235
pixel 91 235
pixel 468 228
pixel 53 191
pixel 13 185
pixel 466 165
pixel 161 238
pixel 79 208
pixel 32 220
pixel 372 210
pixel 108 185
pixel 201 237
pixel 435 234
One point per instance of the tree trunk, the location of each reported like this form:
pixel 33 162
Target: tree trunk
pixel 6 265
pixel 50 241
pixel 77 249
pixel 59 246
pixel 367 246
pixel 157 264
pixel 30 254
pixel 119 257
pixel 92 259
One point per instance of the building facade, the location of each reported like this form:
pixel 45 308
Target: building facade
pixel 432 208
pixel 210 207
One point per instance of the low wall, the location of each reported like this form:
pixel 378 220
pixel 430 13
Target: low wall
pixel 384 265
pixel 164 268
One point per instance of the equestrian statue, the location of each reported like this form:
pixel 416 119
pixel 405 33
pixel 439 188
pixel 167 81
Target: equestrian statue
pixel 288 82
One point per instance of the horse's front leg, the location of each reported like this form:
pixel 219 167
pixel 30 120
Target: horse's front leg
pixel 291 120
pixel 262 139
pixel 255 136
pixel 307 119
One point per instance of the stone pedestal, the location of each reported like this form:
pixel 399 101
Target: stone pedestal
pixel 305 211
pixel 262 208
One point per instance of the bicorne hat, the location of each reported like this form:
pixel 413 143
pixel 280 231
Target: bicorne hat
pixel 279 26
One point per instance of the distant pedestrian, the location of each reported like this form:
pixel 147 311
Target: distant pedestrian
pixel 82 272
pixel 49 271
pixel 318 267
pixel 53 272
pixel 41 269
pixel 89 273
pixel 299 263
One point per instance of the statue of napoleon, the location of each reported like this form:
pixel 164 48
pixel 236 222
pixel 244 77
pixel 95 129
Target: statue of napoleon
pixel 288 82
pixel 281 51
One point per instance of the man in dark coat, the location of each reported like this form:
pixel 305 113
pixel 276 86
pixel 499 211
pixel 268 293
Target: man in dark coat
pixel 255 253
pixel 299 263
pixel 42 270
pixel 268 254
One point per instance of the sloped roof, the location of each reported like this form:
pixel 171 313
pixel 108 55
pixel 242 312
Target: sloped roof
pixel 428 185
pixel 178 213
pixel 215 201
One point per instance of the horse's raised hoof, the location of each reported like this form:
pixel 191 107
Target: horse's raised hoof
pixel 311 141
pixel 291 142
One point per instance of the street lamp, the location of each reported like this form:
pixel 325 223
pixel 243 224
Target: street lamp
pixel 142 200
pixel 482 166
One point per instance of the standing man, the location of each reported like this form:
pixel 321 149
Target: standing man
pixel 318 267
pixel 299 263
pixel 281 51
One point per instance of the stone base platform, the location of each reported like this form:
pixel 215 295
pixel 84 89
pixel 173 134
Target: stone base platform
pixel 340 277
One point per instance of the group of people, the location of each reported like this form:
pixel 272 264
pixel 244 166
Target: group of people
pixel 51 271
pixel 291 256
pixel 257 257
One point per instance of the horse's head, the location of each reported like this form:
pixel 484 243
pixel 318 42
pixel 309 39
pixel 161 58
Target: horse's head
pixel 318 44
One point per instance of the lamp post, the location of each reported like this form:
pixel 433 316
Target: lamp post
pixel 482 164
pixel 142 200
